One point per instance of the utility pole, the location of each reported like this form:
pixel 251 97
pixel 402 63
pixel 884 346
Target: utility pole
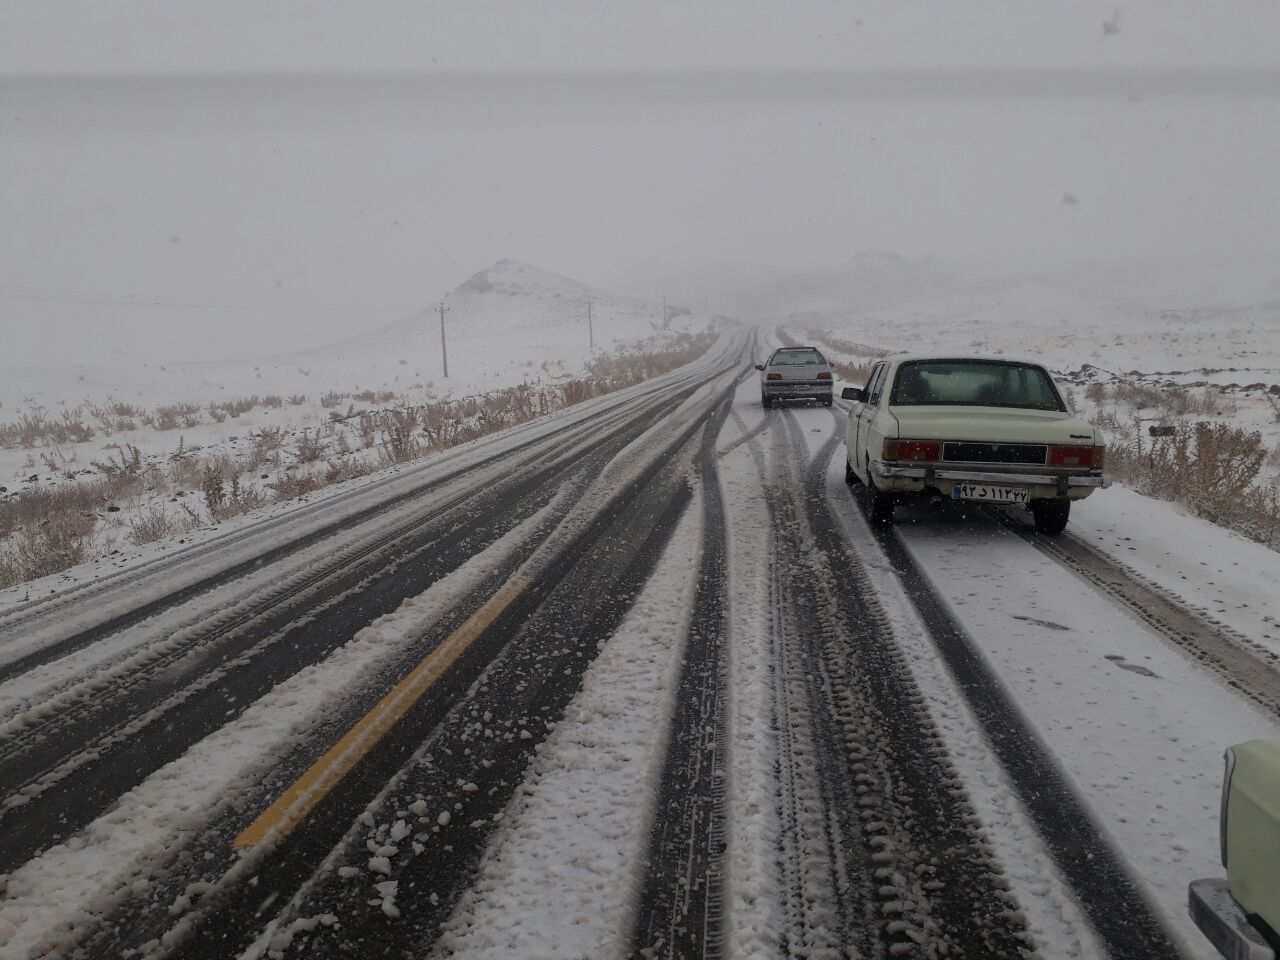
pixel 444 350
pixel 664 311
pixel 591 333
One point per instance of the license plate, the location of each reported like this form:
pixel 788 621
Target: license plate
pixel 991 494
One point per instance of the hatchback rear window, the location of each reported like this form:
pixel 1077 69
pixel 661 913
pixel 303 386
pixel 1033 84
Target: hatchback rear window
pixel 787 357
pixel 974 383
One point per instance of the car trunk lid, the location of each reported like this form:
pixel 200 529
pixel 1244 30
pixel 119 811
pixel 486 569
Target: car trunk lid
pixel 987 425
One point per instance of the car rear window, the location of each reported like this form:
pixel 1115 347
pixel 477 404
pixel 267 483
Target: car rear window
pixel 974 383
pixel 799 356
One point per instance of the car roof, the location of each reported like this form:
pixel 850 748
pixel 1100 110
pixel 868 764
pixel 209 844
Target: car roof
pixel 785 349
pixel 963 357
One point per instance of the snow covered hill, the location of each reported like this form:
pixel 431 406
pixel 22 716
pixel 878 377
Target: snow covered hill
pixel 506 324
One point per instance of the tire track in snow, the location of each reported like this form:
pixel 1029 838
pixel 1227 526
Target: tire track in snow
pixel 916 875
pixel 1245 666
pixel 681 901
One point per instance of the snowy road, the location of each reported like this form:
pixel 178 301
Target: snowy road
pixel 638 679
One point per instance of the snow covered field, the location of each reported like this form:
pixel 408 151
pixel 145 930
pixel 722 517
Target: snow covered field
pixel 330 412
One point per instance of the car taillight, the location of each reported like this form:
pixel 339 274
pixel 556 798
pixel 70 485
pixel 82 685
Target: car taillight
pixel 773 376
pixel 1073 456
pixel 824 376
pixel 912 450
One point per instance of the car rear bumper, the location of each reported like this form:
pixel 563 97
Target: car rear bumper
pixel 796 388
pixel 1043 485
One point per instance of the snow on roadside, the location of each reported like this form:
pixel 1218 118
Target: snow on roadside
pixel 1226 577
pixel 753 920
pixel 560 874
pixel 341 499
pixel 50 895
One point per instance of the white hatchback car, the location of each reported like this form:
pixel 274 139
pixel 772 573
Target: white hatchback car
pixel 970 428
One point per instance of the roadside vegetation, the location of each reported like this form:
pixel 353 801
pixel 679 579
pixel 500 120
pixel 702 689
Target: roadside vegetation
pixel 84 422
pixel 1201 458
pixel 125 499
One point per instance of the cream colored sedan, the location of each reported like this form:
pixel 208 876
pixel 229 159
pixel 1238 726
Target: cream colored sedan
pixel 978 429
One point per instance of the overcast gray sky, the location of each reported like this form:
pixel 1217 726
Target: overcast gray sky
pixel 183 180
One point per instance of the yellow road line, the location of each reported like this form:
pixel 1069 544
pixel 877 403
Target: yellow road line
pixel 312 787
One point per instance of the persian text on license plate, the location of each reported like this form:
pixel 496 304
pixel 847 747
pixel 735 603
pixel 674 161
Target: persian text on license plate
pixel 989 493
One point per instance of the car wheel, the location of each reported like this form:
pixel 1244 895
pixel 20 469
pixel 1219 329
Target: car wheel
pixel 1051 516
pixel 826 401
pixel 879 504
pixel 766 401
pixel 849 476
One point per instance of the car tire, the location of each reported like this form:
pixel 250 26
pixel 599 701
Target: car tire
pixel 826 401
pixel 766 401
pixel 1050 516
pixel 850 477
pixel 879 504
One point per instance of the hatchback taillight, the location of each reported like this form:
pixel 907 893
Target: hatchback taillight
pixel 912 450
pixel 773 376
pixel 1074 456
pixel 824 376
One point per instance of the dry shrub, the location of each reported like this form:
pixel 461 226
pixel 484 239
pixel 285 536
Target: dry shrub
pixel 154 523
pixel 297 399
pixel 439 428
pixel 236 407
pixel 290 486
pixel 332 399
pixel 265 446
pixel 173 415
pixel 368 429
pixel 310 448
pixel 1165 400
pixel 118 408
pixel 399 444
pixel 52 545
pixel 340 470
pixel 32 507
pixel 1211 468
pixel 34 429
pixel 129 463
pixel 229 498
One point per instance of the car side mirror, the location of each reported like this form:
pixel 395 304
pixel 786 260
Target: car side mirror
pixel 759 366
pixel 854 393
